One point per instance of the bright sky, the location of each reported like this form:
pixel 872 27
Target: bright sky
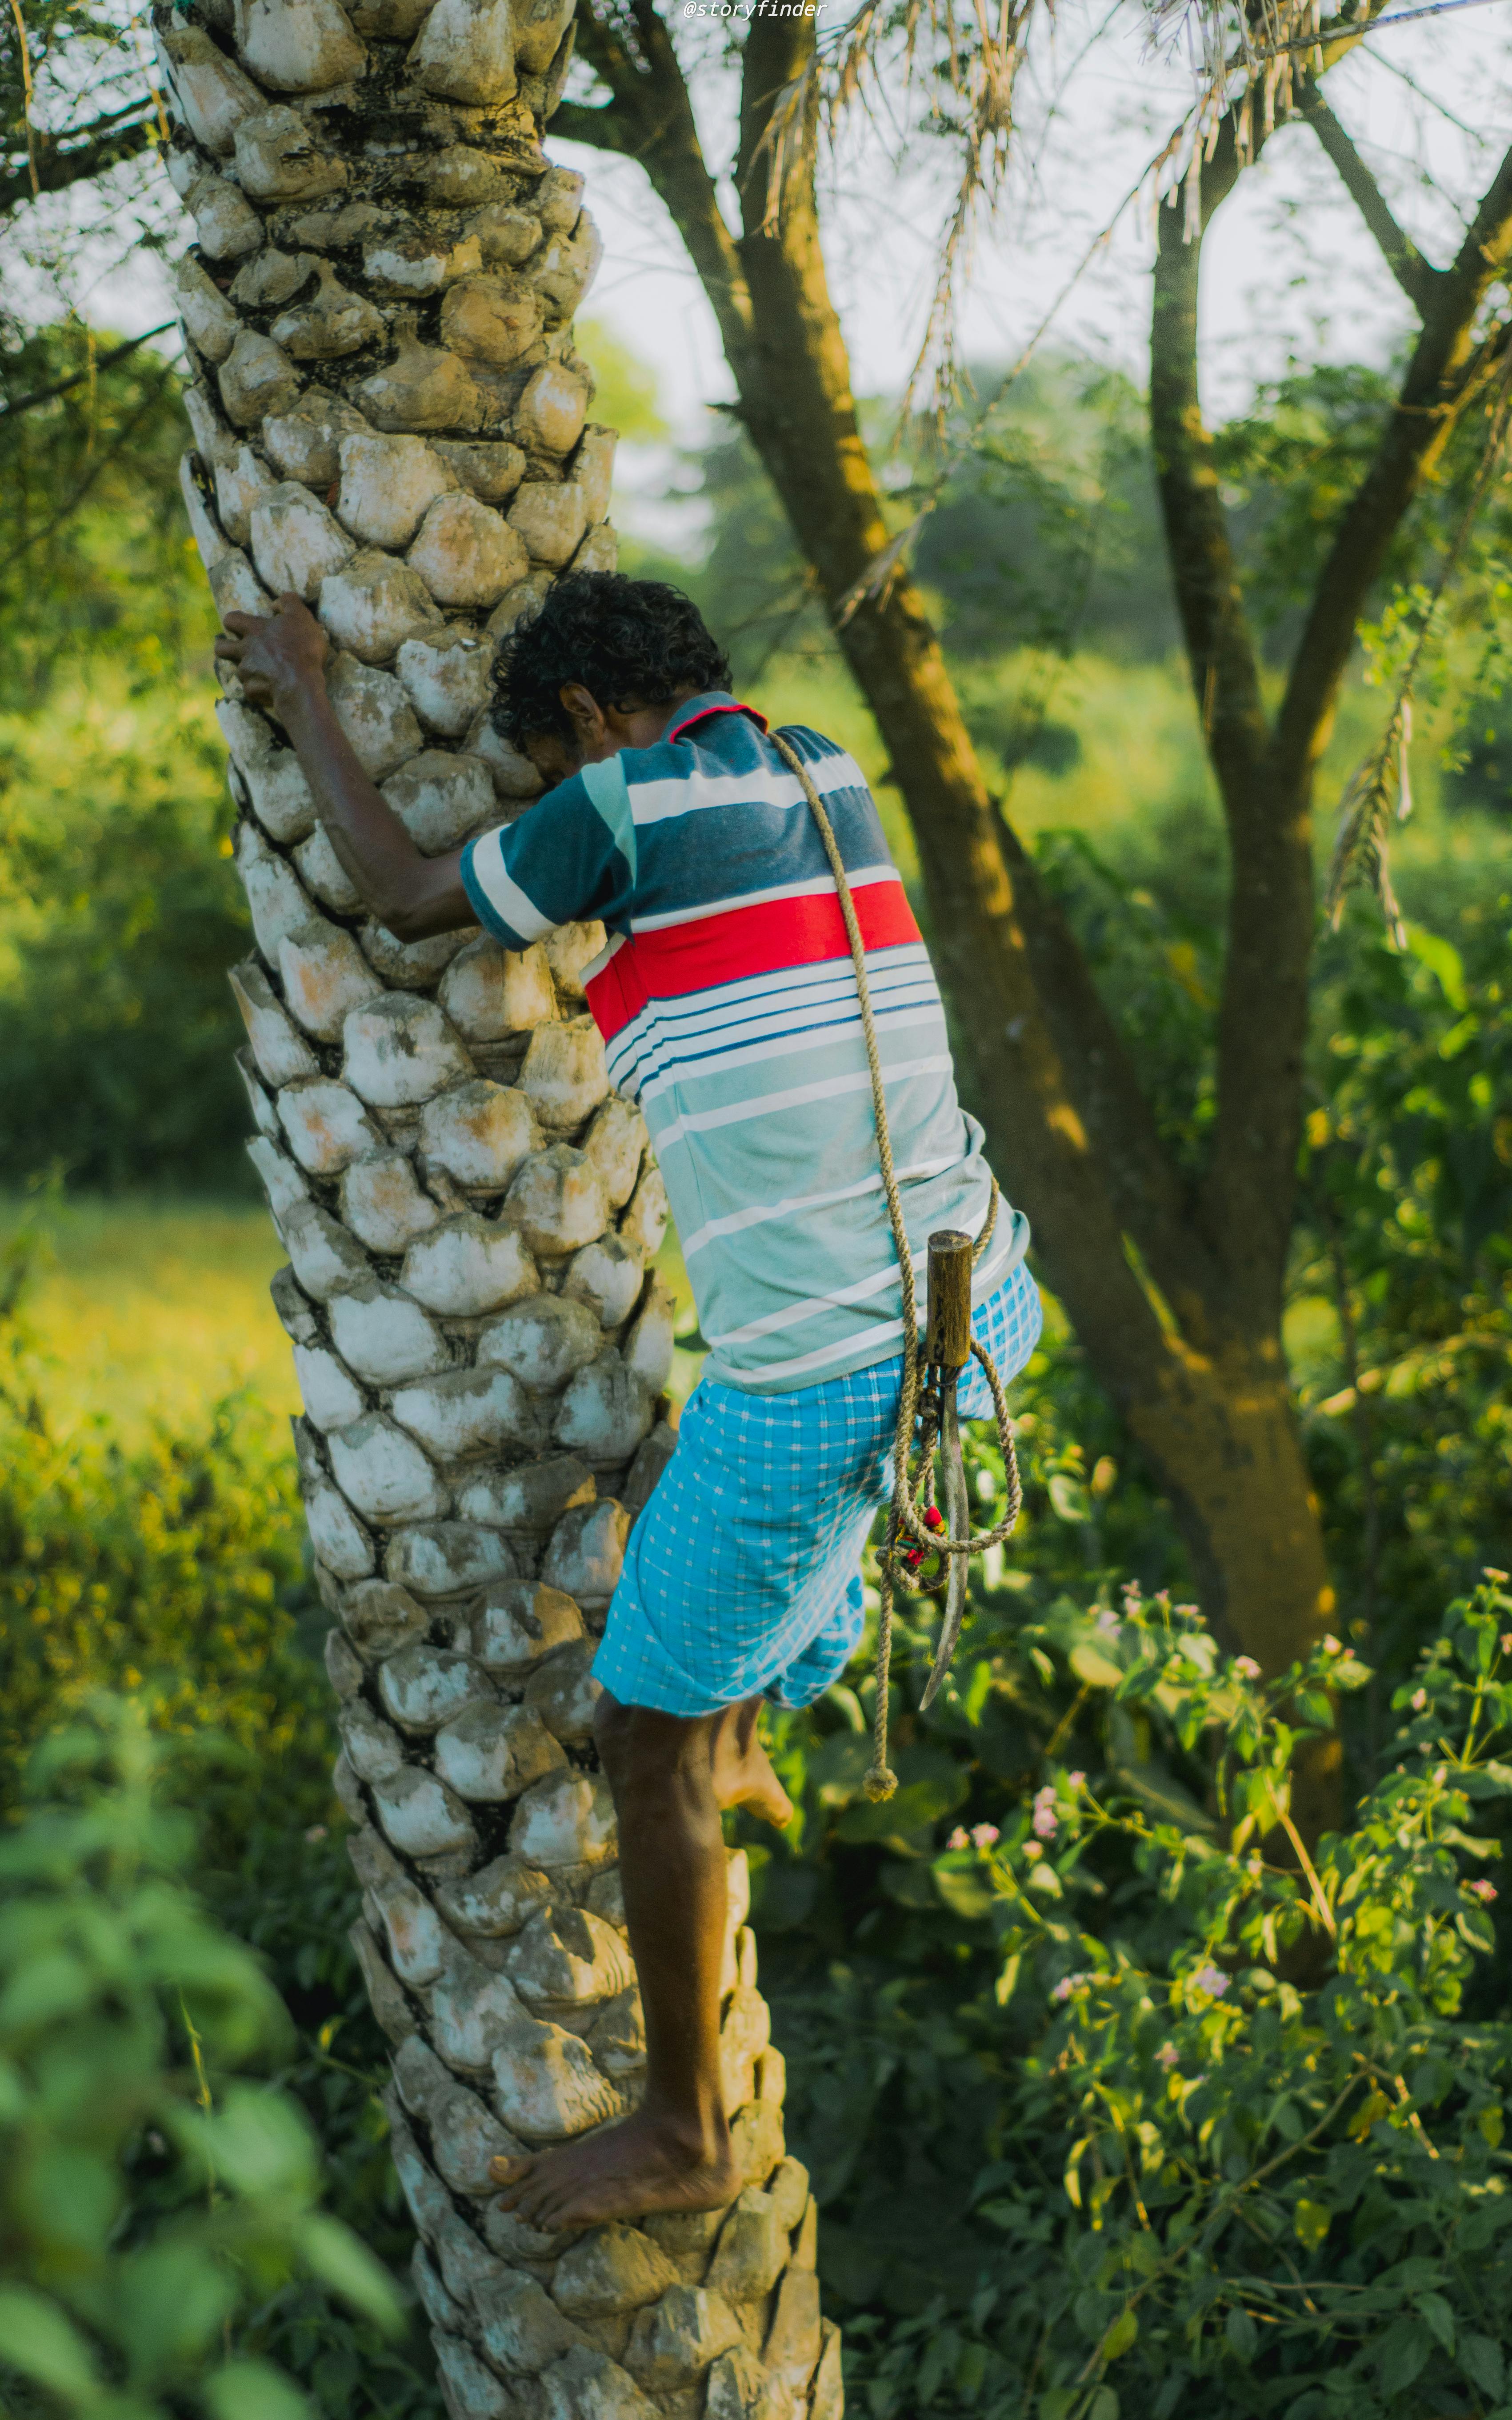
pixel 1090 120
pixel 1092 112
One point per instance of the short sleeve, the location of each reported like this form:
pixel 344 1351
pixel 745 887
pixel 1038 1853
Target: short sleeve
pixel 566 860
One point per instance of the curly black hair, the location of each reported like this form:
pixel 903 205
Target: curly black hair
pixel 624 640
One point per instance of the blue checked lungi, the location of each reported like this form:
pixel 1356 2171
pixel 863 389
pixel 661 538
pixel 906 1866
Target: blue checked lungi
pixel 742 1575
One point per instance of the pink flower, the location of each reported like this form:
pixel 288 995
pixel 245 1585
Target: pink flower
pixel 983 1835
pixel 1168 2055
pixel 1490 1571
pixel 1246 1666
pixel 1483 1890
pixel 1076 1782
pixel 1506 1642
pixel 1067 1984
pixel 1332 1646
pixel 1108 1625
pixel 1419 1699
pixel 958 1839
pixel 316 1831
pixel 1213 1980
pixel 1044 1819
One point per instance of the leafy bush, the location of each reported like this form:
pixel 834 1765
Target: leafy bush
pixel 177 1571
pixel 1237 2136
pixel 178 1574
pixel 118 918
pixel 152 2193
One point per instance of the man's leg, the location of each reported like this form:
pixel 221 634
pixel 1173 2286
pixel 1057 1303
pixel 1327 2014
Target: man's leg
pixel 671 1777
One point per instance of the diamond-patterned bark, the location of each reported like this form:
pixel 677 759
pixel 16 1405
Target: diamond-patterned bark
pixel 390 418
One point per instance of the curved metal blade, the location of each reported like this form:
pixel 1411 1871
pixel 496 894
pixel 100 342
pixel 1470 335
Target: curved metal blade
pixel 958 1511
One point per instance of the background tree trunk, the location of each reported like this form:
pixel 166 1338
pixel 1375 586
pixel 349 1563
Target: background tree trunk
pixel 390 418
pixel 1174 1287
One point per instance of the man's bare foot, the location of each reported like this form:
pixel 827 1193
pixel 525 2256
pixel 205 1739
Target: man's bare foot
pixel 626 2171
pixel 741 1768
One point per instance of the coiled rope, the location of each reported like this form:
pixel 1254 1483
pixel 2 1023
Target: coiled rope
pixel 912 1494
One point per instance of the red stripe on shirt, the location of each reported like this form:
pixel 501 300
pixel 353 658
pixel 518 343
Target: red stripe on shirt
pixel 740 943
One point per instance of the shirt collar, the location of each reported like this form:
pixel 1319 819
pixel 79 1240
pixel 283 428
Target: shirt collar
pixel 709 701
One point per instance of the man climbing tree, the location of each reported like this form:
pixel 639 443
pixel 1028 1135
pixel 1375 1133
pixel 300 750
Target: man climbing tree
pixel 730 1005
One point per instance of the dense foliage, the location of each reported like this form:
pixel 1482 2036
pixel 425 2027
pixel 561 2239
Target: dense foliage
pixel 1242 2143
pixel 154 2190
pixel 179 1574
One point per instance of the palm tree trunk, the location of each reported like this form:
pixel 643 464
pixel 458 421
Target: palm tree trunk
pixel 389 417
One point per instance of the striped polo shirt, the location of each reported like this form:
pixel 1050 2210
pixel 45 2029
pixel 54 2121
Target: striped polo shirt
pixel 727 1003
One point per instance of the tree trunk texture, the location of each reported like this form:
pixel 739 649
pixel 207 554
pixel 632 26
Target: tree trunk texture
pixel 389 418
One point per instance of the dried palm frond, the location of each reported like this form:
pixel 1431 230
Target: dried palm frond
pixel 1360 847
pixel 974 59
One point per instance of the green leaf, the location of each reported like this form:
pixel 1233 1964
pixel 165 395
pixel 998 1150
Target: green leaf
pixel 1120 2335
pixel 174 2298
pixel 1311 2219
pixel 1484 2365
pixel 1242 2332
pixel 253 2390
pixel 1103 2406
pixel 1403 2352
pixel 1090 1664
pixel 334 2253
pixel 1439 2317
pixel 1443 961
pixel 1068 1498
pixel 260 2145
pixel 964 1891
pixel 37 2339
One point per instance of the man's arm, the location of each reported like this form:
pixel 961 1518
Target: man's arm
pixel 282 667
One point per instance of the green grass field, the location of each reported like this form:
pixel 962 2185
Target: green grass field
pixel 146 1311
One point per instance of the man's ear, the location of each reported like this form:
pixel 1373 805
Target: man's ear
pixel 586 717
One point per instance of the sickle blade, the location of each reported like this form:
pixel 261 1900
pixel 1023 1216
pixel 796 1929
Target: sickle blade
pixel 959 1514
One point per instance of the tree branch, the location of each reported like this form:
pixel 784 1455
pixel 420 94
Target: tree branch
pixel 1439 381
pixel 1225 669
pixel 659 129
pixel 61 386
pixel 1418 278
pixel 576 121
pixel 89 156
pixel 1262 1024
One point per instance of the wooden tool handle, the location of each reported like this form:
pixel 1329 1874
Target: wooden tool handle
pixel 948 1332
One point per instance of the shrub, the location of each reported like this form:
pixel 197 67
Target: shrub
pixel 153 2193
pixel 1244 2143
pixel 178 1572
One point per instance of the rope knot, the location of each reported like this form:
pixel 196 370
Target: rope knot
pixel 880 1783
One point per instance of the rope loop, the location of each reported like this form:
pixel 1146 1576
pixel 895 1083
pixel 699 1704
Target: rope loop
pixel 909 1496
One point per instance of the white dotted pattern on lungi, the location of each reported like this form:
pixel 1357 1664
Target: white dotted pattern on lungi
pixel 743 1574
